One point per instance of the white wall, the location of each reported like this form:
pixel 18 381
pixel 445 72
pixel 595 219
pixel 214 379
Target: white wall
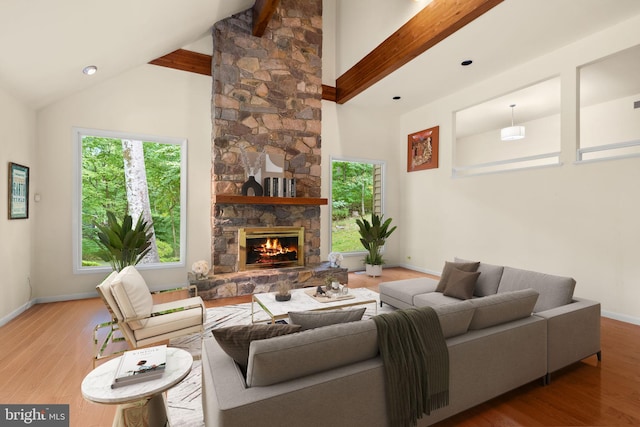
pixel 146 100
pixel 355 133
pixel 17 145
pixel 610 122
pixel 579 220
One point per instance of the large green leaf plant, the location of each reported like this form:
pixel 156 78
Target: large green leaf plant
pixel 124 243
pixel 373 236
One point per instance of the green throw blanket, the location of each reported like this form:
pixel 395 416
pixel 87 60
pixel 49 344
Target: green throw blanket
pixel 416 363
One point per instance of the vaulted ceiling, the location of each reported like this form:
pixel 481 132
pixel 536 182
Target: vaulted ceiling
pixel 46 44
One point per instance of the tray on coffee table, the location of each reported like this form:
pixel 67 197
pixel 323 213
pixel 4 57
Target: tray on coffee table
pixel 302 300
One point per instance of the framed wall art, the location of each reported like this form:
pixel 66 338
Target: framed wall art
pixel 18 191
pixel 422 150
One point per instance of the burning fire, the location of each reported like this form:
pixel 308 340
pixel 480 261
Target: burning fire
pixel 272 247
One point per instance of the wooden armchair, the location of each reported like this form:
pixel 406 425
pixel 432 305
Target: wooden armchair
pixel 137 319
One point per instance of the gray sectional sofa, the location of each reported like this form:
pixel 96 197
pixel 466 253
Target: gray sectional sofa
pixel 333 375
pixel 573 324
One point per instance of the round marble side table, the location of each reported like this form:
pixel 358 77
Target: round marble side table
pixel 141 404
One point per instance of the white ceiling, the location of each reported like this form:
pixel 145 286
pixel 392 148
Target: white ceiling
pixel 45 44
pixel 512 33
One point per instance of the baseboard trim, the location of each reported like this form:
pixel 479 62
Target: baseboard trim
pixel 17 312
pixel 70 297
pixel 43 300
pixel 421 270
pixel 621 317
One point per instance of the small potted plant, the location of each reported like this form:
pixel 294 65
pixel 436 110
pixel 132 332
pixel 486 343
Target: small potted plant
pixel 283 293
pixel 331 284
pixel 373 235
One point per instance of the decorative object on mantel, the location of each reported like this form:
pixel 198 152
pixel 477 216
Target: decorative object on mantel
pixel 288 187
pixel 200 269
pixel 373 236
pixel 267 187
pixel 283 293
pixel 422 149
pixel 335 259
pixel 251 186
pixel 252 169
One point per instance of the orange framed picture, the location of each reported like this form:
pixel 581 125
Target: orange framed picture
pixel 422 150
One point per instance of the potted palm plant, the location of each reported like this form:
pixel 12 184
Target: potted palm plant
pixel 373 236
pixel 124 243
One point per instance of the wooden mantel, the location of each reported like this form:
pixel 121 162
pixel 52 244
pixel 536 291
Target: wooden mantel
pixel 234 199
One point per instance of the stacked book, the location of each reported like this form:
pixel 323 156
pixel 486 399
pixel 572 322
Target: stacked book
pixel 139 365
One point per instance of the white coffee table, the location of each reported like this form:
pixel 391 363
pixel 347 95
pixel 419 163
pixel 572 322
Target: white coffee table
pixel 302 301
pixel 142 402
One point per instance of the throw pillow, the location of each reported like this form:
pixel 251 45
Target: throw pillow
pixel 446 271
pixel 132 295
pixel 461 284
pixel 317 319
pixel 235 340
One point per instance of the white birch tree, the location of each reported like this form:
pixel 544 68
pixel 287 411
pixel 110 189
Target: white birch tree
pixel 138 191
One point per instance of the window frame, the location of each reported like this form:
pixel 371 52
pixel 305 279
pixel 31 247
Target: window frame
pixel 383 166
pixel 76 215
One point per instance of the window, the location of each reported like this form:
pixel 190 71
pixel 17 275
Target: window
pixel 125 173
pixel 479 146
pixel 356 190
pixel 610 107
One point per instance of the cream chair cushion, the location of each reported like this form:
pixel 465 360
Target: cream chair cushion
pixel 104 289
pixel 133 296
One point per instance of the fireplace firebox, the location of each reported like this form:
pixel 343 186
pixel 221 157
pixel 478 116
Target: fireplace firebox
pixel 270 247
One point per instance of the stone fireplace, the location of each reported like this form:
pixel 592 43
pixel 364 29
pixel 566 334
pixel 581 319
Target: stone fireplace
pixel 267 94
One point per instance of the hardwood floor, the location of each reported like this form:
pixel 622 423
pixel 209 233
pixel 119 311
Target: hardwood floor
pixel 47 351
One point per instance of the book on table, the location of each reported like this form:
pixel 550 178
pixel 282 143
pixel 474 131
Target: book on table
pixel 139 365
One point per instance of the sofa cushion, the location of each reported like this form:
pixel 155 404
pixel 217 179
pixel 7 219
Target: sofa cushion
pixel 455 318
pixel 404 290
pixel 449 266
pixel 461 284
pixel 502 308
pixel 433 299
pixel 235 340
pixel 132 295
pixel 284 358
pixel 316 318
pixel 555 291
pixel 489 279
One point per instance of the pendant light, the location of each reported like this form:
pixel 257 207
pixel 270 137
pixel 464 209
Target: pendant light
pixel 512 132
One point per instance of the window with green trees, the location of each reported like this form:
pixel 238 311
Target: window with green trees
pixel 356 191
pixel 139 175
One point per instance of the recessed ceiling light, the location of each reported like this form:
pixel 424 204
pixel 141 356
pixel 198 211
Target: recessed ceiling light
pixel 90 70
pixel 395 98
pixel 466 62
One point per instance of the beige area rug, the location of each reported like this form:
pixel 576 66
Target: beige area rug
pixel 185 399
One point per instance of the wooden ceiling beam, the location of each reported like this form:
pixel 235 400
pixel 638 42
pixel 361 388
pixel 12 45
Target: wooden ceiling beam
pixel 329 93
pixel 186 60
pixel 263 10
pixel 438 20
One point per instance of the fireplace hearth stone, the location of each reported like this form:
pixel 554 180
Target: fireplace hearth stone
pixel 249 282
